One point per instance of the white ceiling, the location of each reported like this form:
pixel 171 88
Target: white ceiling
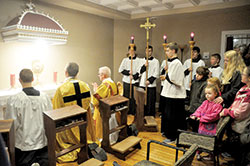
pixel 145 6
pixel 132 9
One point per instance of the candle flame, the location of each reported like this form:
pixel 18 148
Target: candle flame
pixel 192 34
pixel 164 37
pixel 132 37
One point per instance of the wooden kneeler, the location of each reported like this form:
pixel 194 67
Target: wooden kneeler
pixel 8 133
pixel 143 123
pixel 62 119
pixel 92 162
pixel 125 144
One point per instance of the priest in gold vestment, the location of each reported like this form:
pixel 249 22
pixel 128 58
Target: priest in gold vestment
pixel 106 89
pixel 72 92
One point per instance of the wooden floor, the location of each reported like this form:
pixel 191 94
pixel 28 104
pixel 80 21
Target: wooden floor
pixel 159 154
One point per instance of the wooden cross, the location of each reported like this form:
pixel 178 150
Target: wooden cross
pixel 147 26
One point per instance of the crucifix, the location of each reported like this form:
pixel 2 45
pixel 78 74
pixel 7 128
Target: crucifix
pixel 147 26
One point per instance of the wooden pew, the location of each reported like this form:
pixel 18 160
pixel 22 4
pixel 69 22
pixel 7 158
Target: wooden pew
pixel 143 123
pixel 62 119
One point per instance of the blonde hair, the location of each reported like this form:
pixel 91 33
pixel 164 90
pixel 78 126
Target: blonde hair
pixel 235 63
pixel 215 81
pixel 214 88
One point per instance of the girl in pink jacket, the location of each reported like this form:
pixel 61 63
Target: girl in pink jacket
pixel 208 114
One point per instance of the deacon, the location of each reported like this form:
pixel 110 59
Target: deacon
pixel 26 108
pixel 125 70
pixel 150 82
pixel 106 89
pixel 73 92
pixel 174 94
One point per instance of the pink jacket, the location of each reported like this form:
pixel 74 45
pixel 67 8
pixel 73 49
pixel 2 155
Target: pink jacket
pixel 240 109
pixel 208 113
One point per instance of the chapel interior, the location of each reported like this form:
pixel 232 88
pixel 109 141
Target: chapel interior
pixel 98 32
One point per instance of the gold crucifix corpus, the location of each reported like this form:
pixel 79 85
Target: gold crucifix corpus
pixel 147 26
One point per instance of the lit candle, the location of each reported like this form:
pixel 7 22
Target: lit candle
pixel 192 36
pixel 165 38
pixel 55 77
pixel 12 80
pixel 132 39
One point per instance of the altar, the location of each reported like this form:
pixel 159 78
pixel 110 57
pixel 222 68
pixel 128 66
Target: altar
pixel 5 94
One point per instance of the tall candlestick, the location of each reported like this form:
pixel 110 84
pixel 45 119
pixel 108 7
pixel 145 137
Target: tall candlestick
pixel 131 45
pixel 192 36
pixel 12 80
pixel 132 39
pixel 165 38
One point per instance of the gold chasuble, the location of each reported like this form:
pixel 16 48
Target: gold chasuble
pixel 106 89
pixel 73 92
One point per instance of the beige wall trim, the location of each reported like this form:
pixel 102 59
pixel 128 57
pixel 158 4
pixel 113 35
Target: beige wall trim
pixel 229 4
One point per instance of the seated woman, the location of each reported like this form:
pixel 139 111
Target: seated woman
pixel 231 78
pixel 240 112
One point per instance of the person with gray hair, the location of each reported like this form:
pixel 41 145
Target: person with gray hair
pixel 26 108
pixel 73 92
pixel 106 89
pixel 105 70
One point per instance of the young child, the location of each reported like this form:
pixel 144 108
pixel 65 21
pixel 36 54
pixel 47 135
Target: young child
pixel 197 95
pixel 215 69
pixel 215 81
pixel 208 114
